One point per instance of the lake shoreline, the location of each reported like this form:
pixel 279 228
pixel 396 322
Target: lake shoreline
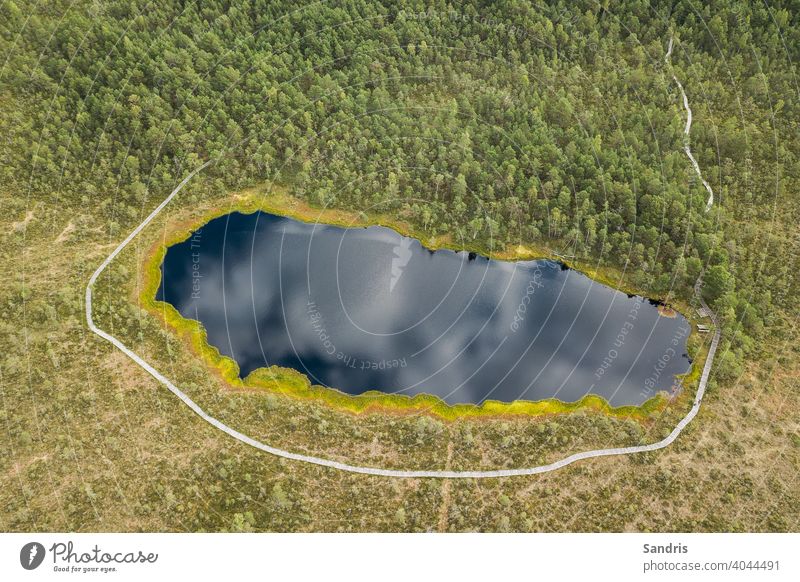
pixel 295 384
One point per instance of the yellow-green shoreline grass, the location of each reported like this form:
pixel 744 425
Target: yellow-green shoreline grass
pixel 297 385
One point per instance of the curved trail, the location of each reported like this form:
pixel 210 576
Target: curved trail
pixel 396 472
pixel 373 470
pixel 686 130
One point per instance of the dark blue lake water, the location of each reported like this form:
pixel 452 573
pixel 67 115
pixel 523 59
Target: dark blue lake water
pixel 366 309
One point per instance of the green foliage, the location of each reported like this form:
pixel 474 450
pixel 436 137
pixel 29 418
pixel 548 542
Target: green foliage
pixel 493 123
pixel 717 282
pixel 553 124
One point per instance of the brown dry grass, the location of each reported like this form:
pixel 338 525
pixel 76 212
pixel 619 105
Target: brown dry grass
pixel 92 443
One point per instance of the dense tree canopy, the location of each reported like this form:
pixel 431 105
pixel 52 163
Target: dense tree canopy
pixel 509 121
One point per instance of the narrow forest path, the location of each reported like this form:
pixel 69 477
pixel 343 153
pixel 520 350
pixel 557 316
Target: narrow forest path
pixel 687 129
pixel 440 474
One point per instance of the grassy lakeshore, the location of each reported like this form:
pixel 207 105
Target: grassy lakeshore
pixel 277 200
pixel 119 424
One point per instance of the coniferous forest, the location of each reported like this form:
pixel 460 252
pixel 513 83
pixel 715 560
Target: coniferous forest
pixel 551 124
pixel 511 121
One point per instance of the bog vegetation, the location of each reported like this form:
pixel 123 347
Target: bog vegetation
pixel 511 121
pixel 552 123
